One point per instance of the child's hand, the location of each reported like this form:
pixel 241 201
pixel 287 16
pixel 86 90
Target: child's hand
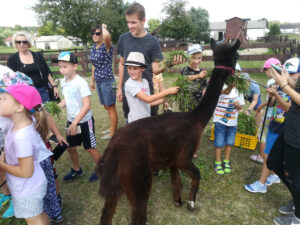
pixel 93 85
pixel 72 130
pixel 173 90
pixel 203 74
pixel 237 104
pixel 271 91
pixel 178 59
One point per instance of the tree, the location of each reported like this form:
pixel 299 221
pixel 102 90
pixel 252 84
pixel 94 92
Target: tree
pixel 2 43
pixel 200 20
pixel 153 24
pixel 177 24
pixel 49 28
pixel 274 29
pixel 77 17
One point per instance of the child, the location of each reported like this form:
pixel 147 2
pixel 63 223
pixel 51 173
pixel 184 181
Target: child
pixel 51 204
pixel 26 180
pixel 267 70
pixel 275 128
pixel 194 73
pixel 225 119
pixel 137 89
pixel 158 86
pixel 80 118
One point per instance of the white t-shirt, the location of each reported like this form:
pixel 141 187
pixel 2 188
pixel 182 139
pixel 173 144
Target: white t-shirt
pixel 138 109
pixel 225 112
pixel 21 144
pixel 74 91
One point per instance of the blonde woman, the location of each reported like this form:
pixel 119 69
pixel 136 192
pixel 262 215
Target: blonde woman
pixel 32 64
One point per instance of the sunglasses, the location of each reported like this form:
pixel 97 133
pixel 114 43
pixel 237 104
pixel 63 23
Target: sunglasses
pixel 97 33
pixel 23 42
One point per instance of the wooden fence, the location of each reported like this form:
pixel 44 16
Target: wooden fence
pixel 282 47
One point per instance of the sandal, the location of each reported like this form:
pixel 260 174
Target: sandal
pixel 106 137
pixel 105 132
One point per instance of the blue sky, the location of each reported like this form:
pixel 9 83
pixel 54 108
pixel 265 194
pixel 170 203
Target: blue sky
pixel 18 11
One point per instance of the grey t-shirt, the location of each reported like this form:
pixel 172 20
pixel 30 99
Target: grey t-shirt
pixel 138 109
pixel 148 45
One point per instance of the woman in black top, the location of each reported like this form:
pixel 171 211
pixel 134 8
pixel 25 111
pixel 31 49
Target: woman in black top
pixel 32 64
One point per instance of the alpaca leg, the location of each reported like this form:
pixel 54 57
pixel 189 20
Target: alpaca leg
pixel 176 184
pixel 191 170
pixel 108 210
pixel 138 194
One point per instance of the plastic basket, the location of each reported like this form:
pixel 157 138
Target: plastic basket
pixel 241 140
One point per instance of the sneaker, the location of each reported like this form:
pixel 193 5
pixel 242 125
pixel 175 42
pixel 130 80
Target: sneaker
pixel 57 219
pixel 227 167
pixel 53 139
pixel 218 168
pixel 257 158
pixel 272 179
pixel 289 208
pixel 60 201
pixel 10 210
pixel 284 220
pixel 93 177
pixel 72 175
pixel 256 187
pixel 4 199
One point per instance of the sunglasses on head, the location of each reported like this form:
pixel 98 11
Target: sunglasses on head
pixel 97 33
pixel 23 42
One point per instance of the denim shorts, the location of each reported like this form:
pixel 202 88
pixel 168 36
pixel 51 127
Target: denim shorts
pixel 44 94
pixel 224 135
pixel 271 138
pixel 106 92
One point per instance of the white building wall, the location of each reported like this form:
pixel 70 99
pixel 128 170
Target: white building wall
pixel 253 34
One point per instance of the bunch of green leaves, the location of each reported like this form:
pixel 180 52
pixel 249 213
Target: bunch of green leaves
pixel 240 84
pixel 167 62
pixel 246 124
pixel 52 108
pixel 184 98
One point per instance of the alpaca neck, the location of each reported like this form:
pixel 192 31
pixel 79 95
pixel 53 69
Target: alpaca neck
pixel 207 106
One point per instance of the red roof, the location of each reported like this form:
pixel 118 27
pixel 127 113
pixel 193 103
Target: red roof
pixel 8 39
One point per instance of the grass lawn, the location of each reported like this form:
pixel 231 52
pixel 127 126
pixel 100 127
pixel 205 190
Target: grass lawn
pixel 220 200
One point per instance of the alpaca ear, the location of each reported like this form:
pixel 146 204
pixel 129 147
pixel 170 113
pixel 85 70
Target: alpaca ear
pixel 236 45
pixel 213 44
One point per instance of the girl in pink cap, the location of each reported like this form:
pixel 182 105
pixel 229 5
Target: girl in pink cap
pixel 25 177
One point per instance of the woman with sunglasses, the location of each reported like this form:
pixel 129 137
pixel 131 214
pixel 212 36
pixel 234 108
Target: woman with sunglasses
pixel 101 57
pixel 32 64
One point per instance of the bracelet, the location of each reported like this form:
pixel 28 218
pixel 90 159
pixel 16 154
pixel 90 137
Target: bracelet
pixel 284 86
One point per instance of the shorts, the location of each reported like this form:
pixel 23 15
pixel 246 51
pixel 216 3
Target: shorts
pixel 44 94
pixel 31 205
pixel 271 138
pixel 87 136
pixel 264 135
pixel 106 92
pixel 224 135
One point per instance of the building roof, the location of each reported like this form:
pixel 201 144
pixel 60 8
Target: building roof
pixel 290 26
pixel 251 24
pixel 8 39
pixel 52 38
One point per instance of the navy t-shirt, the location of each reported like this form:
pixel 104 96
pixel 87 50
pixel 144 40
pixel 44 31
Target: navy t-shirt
pixel 148 45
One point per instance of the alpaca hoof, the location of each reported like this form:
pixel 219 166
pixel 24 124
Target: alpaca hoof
pixel 179 204
pixel 191 205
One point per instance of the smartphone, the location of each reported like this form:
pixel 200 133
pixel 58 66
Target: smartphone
pixel 78 131
pixel 278 68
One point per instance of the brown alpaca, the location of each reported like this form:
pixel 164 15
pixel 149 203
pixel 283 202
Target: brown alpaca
pixel 155 143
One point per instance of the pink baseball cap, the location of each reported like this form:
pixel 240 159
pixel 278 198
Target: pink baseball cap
pixel 269 62
pixel 26 95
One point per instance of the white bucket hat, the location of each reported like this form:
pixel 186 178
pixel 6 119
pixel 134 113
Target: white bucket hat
pixel 195 48
pixel 135 59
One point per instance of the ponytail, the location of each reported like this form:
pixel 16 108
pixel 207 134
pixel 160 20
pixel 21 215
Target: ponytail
pixel 41 124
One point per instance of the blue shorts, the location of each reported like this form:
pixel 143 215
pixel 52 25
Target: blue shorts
pixel 224 135
pixel 106 92
pixel 44 94
pixel 271 138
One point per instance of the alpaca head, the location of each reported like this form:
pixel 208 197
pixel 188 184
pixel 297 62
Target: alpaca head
pixel 225 54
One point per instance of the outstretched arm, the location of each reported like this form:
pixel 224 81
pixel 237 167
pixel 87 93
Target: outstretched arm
pixel 152 98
